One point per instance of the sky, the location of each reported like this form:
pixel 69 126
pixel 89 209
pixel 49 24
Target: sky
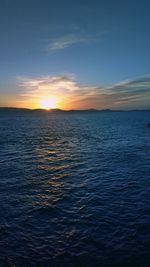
pixel 75 54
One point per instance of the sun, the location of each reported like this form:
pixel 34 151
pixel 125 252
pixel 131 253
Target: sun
pixel 49 103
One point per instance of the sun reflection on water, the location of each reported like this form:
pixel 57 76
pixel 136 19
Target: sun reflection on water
pixel 54 170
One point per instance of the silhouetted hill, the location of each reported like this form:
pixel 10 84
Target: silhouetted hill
pixel 15 109
pixel 56 110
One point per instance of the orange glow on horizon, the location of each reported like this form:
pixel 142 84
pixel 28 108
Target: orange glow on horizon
pixel 47 103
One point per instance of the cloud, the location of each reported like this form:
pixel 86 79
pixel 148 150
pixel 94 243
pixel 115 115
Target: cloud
pixel 64 42
pixel 72 95
pixel 77 36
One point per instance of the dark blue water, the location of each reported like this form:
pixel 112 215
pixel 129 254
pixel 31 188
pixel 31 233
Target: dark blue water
pixel 74 189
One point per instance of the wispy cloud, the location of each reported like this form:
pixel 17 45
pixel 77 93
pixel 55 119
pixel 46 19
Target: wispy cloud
pixel 64 42
pixel 126 94
pixel 76 36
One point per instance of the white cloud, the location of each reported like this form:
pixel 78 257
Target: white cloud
pixel 126 94
pixel 64 42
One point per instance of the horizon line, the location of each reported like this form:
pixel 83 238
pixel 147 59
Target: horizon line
pixel 73 110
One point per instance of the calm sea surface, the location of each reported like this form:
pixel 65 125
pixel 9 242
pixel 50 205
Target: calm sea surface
pixel 74 189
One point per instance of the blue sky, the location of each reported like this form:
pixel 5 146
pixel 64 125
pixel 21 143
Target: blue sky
pixel 93 44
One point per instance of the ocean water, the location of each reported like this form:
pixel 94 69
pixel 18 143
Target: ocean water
pixel 74 189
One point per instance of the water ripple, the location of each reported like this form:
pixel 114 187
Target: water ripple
pixel 74 189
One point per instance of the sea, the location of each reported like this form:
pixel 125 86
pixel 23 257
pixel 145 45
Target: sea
pixel 74 189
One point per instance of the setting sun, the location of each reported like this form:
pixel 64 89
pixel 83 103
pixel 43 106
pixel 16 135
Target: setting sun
pixel 49 103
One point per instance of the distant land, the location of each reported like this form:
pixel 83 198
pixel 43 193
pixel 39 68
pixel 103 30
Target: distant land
pixel 56 110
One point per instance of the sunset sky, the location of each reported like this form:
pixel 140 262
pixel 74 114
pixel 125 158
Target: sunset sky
pixel 75 54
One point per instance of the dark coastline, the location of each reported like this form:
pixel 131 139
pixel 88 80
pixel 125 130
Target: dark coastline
pixel 14 109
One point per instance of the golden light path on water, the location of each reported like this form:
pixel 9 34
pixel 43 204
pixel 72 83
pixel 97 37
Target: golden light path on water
pixel 53 164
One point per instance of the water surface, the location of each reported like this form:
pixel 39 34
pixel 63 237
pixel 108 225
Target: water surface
pixel 74 189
